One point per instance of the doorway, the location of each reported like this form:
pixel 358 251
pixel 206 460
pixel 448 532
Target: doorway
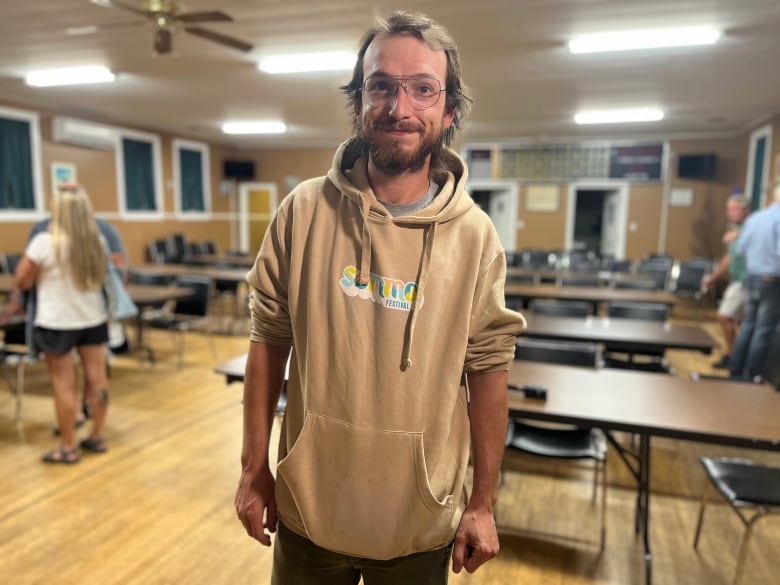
pixel 596 219
pixel 499 201
pixel 758 166
pixel 257 203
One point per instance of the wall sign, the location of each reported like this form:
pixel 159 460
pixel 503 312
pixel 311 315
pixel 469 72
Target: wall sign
pixel 638 163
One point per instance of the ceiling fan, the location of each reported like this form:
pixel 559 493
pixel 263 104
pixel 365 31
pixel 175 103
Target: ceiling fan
pixel 168 16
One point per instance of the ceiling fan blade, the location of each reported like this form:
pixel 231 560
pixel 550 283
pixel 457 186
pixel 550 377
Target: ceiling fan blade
pixel 219 38
pixel 90 29
pixel 212 16
pixel 121 6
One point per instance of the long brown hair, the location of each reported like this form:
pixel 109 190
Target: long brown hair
pixel 76 238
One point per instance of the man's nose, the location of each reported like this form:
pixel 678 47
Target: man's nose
pixel 401 104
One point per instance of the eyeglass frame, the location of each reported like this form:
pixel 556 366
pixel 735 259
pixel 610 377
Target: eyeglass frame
pixel 401 82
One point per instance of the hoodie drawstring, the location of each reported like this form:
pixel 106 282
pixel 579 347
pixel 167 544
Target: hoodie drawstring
pixel 425 263
pixel 364 270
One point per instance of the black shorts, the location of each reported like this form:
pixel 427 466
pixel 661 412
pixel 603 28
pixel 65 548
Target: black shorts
pixel 61 341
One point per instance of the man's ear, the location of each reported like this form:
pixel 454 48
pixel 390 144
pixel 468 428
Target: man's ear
pixel 358 105
pixel 449 117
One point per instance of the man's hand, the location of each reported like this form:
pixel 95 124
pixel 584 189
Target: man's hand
pixel 476 540
pixel 730 236
pixel 256 504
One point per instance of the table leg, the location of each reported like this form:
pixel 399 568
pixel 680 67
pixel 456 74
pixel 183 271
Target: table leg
pixel 643 503
pixel 639 466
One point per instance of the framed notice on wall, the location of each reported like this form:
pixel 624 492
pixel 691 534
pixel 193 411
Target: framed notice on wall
pixel 62 173
pixel 542 197
pixel 638 163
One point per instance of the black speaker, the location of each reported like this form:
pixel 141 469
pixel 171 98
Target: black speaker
pixel 241 170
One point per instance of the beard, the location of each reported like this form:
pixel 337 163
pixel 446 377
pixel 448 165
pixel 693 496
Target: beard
pixel 389 157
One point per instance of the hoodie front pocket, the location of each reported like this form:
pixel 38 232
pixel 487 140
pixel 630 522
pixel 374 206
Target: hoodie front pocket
pixel 363 491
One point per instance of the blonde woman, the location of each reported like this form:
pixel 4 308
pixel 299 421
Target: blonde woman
pixel 67 265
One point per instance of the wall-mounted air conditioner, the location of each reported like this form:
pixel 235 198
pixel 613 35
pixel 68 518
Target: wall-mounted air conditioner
pixel 82 133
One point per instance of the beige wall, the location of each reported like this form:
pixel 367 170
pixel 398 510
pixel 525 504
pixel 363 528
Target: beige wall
pixel 690 231
pixel 542 229
pixel 96 170
pixel 697 230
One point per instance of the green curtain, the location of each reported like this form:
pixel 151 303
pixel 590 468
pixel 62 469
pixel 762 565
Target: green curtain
pixel 139 175
pixel 191 180
pixel 16 166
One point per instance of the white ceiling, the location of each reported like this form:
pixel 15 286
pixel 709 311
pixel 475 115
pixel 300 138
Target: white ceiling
pixel 526 84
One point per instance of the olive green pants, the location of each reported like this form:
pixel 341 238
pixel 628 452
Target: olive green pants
pixel 298 561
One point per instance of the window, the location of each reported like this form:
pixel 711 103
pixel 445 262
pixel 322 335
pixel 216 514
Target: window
pixel 20 165
pixel 191 179
pixel 139 175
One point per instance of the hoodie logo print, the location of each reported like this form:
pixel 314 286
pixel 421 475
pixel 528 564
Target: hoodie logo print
pixel 390 293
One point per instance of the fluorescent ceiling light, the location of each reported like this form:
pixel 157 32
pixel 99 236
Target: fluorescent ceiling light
pixel 308 62
pixel 644 39
pixel 618 116
pixel 260 127
pixel 69 76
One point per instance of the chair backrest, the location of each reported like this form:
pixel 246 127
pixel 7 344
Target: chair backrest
pixel 208 248
pixel 613 265
pixel 579 280
pixel 150 278
pixel 9 262
pixel 659 271
pixel 197 304
pixel 176 247
pixel 646 311
pixel 578 264
pixel 571 353
pixel 158 251
pixel 523 278
pixel 536 259
pixel 633 283
pixel 689 276
pixel 560 308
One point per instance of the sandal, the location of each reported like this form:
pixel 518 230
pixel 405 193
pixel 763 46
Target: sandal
pixel 61 455
pixel 94 444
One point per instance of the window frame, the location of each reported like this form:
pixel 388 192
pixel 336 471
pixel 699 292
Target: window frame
pixel 157 168
pixel 39 209
pixel 177 146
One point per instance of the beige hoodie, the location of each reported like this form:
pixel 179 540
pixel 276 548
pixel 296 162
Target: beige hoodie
pixel 384 315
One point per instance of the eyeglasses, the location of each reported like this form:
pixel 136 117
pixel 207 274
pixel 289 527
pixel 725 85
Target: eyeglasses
pixel 423 90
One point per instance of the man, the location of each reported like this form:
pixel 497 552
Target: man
pixel 387 281
pixel 732 264
pixel 760 244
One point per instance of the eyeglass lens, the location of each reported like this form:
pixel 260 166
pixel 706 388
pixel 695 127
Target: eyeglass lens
pixel 423 90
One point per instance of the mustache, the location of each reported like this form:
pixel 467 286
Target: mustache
pixel 395 125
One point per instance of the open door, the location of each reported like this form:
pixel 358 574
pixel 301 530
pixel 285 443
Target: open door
pixel 257 205
pixel 597 217
pixel 499 200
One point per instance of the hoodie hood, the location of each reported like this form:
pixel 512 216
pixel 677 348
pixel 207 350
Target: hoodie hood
pixel 349 174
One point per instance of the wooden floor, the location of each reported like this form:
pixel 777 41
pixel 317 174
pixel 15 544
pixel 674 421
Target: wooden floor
pixel 158 507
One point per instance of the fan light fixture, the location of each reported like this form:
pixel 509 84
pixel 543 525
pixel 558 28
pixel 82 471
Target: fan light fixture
pixel 308 62
pixel 258 127
pixel 69 76
pixel 644 39
pixel 619 116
